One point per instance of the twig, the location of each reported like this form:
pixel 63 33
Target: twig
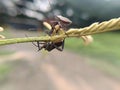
pixel 113 24
pixel 23 40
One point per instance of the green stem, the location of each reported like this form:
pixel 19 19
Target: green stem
pixel 23 40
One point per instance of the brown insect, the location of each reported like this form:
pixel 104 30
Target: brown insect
pixel 58 24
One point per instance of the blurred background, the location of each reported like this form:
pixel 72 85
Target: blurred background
pixel 78 67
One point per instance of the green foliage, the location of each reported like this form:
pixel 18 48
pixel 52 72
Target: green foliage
pixel 105 47
pixel 104 52
pixel 4 70
pixel 6 52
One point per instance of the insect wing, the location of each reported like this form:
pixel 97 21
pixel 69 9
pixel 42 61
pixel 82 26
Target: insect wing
pixel 64 19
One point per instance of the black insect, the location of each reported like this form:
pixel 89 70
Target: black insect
pixel 50 45
pixel 58 24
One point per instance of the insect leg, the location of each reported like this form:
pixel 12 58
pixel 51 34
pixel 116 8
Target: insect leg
pixel 38 45
pixel 41 47
pixel 34 44
pixel 63 44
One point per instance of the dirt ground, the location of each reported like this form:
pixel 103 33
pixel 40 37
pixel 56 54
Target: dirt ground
pixel 53 71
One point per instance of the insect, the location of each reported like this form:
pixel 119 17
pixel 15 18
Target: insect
pixel 58 24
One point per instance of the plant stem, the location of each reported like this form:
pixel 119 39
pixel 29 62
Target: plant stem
pixel 23 40
pixel 113 24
